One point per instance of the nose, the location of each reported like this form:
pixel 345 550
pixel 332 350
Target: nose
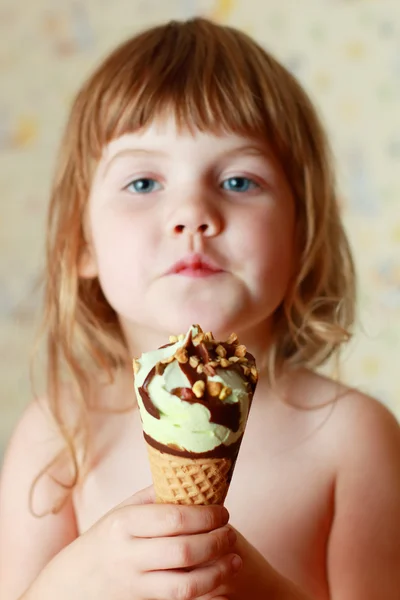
pixel 195 217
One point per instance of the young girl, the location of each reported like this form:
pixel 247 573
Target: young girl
pixel 194 185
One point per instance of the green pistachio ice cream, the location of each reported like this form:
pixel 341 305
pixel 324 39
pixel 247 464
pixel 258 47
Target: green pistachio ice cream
pixel 194 395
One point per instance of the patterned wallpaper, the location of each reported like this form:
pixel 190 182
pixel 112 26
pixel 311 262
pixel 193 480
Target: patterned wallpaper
pixel 347 55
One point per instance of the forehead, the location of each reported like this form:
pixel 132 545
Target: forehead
pixel 164 135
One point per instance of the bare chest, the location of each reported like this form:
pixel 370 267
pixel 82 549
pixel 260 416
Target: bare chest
pixel 280 501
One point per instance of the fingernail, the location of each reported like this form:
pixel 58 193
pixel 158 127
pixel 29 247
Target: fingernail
pixel 224 514
pixel 236 563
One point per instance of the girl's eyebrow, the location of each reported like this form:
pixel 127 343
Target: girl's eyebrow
pixel 257 150
pixel 247 150
pixel 132 152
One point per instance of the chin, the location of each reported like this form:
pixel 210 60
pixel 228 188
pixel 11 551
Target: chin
pixel 214 320
pixel 220 309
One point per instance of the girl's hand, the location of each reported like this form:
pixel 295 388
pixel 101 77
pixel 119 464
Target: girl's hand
pixel 140 551
pixel 256 580
pixel 252 579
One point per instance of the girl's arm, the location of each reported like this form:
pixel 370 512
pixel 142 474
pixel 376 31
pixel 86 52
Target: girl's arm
pixel 28 543
pixel 363 558
pixel 364 547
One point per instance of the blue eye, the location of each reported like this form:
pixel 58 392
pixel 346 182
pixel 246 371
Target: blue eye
pixel 144 185
pixel 239 184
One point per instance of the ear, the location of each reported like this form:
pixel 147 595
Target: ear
pixel 87 264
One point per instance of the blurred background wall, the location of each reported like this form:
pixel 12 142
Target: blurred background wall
pixel 346 54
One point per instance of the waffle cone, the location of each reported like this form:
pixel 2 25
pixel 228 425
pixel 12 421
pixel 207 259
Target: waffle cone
pixel 179 480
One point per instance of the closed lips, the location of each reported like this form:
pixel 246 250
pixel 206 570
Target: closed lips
pixel 193 264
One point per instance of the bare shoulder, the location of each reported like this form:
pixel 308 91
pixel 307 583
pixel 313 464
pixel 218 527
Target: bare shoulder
pixel 25 538
pixel 360 422
pixel 355 430
pixel 35 422
pixel 34 441
pixel 352 413
pixel 37 439
pixel 363 438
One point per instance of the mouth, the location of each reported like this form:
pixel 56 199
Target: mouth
pixel 195 266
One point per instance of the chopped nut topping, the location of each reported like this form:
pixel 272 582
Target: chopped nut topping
pixel 209 370
pixel 254 371
pixel 194 361
pixel 214 388
pixel 246 370
pixel 208 336
pixel 232 339
pixel 160 368
pixel 213 363
pixel 243 359
pixel 233 359
pixel 166 361
pixel 198 339
pixel 225 363
pixel 254 374
pixel 198 388
pixel 200 369
pixel 181 355
pixel 240 351
pixel 225 392
pixel 136 366
pixel 220 350
pixel 173 339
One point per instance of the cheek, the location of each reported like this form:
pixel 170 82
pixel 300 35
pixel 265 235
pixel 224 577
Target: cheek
pixel 122 247
pixel 267 237
pixel 270 251
pixel 117 235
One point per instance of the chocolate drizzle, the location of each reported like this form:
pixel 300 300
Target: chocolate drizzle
pixel 205 352
pixel 145 396
pixel 222 451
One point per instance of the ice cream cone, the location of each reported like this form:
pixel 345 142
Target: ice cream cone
pixel 194 397
pixel 180 480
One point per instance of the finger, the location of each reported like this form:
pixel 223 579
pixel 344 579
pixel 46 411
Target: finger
pixel 114 516
pixel 160 520
pixel 181 585
pixel 184 551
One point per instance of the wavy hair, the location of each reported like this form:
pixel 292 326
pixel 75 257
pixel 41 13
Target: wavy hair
pixel 213 78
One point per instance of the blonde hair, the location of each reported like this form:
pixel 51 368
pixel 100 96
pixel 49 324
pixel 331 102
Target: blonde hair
pixel 214 78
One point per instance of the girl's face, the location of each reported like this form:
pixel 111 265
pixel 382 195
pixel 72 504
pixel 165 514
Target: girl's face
pixel 190 228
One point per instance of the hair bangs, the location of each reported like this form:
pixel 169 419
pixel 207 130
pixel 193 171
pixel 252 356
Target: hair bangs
pixel 199 74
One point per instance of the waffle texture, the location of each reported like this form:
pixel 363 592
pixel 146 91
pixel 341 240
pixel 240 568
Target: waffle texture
pixel 179 480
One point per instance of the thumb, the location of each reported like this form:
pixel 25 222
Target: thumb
pixel 145 496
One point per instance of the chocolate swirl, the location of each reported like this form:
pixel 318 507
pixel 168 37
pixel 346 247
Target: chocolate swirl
pixel 221 413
